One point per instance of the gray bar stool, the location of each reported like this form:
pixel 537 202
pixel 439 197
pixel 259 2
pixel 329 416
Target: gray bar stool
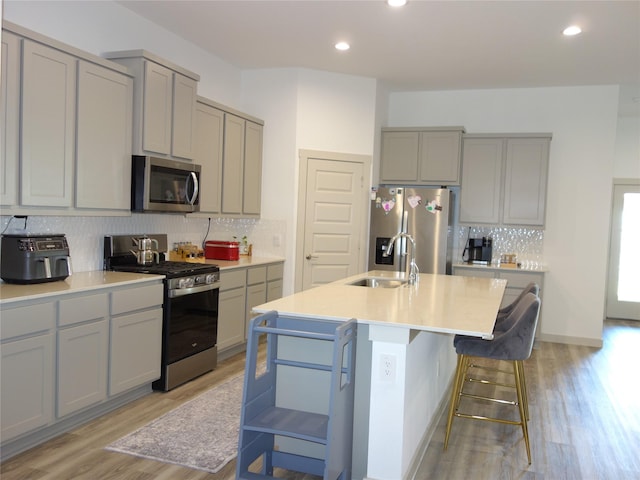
pixel 503 313
pixel 513 345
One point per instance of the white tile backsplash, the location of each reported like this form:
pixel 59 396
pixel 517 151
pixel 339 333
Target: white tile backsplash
pixel 85 234
pixel 526 243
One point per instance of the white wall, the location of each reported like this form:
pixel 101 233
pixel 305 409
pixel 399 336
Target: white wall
pixel 627 155
pixel 583 123
pixel 336 112
pixel 311 110
pixel 272 95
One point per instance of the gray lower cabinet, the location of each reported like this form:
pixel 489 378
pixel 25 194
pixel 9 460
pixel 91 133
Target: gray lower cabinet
pixel 504 179
pixel 263 285
pixel 27 368
pixel 275 273
pixel 136 338
pixel 231 311
pixel 242 289
pixel 83 352
pixel 256 291
pixel 74 357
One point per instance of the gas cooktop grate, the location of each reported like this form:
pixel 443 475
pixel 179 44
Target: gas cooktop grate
pixel 168 268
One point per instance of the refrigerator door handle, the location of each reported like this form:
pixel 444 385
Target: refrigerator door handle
pixel 405 229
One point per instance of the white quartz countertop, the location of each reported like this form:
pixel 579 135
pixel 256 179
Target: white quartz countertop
pixel 523 269
pixel 93 280
pixel 76 283
pixel 438 303
pixel 244 262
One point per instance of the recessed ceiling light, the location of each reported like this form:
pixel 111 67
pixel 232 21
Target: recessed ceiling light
pixel 572 30
pixel 342 46
pixel 396 3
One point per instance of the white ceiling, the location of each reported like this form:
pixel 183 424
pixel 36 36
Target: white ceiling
pixel 426 45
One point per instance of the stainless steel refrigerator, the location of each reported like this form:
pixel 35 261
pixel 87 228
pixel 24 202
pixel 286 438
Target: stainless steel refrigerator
pixel 424 213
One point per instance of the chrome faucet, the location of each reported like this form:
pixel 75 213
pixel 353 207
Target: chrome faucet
pixel 412 268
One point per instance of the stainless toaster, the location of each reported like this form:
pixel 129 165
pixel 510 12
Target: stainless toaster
pixel 34 258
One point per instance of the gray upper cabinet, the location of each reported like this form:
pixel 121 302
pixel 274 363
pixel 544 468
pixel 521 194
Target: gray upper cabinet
pixel 481 180
pixel 10 111
pixel 421 156
pixel 399 160
pixel 185 92
pixel 504 179
pixel 233 165
pixel 229 149
pixel 209 148
pixel 156 109
pixel 252 186
pixel 164 105
pixel 104 138
pixel 48 126
pixel 525 185
pixel 66 115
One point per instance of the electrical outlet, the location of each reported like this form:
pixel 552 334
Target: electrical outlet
pixel 388 367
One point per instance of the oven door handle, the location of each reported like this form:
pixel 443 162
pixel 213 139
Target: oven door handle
pixel 180 292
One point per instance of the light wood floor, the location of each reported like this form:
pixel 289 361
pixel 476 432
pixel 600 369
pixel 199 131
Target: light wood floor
pixel 585 425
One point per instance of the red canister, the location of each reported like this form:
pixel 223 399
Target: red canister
pixel 221 250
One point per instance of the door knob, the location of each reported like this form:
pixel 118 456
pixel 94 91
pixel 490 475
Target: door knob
pixel 309 257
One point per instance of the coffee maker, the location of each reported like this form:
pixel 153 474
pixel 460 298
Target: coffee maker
pixel 479 251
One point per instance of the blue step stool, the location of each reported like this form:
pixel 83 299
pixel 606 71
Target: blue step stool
pixel 262 419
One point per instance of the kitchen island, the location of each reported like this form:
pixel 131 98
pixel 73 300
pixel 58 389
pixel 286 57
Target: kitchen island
pixel 405 358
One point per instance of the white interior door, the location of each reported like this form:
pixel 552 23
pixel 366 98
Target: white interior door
pixel 623 291
pixel 332 219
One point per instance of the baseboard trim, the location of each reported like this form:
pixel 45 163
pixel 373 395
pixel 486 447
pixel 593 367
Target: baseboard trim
pixel 570 340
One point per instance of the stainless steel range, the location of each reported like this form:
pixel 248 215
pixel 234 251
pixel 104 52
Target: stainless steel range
pixel 190 308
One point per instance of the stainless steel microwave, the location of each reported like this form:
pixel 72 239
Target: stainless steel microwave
pixel 161 185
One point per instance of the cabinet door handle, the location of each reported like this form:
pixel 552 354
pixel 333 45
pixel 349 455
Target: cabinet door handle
pixel 309 257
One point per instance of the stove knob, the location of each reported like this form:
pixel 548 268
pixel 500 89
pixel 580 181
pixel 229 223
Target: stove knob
pixel 185 282
pixel 211 278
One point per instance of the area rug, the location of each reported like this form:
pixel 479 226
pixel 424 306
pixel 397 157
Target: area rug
pixel 201 433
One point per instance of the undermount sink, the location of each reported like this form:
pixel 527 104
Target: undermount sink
pixel 372 282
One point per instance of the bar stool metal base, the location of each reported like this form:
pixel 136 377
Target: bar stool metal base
pixel 463 366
